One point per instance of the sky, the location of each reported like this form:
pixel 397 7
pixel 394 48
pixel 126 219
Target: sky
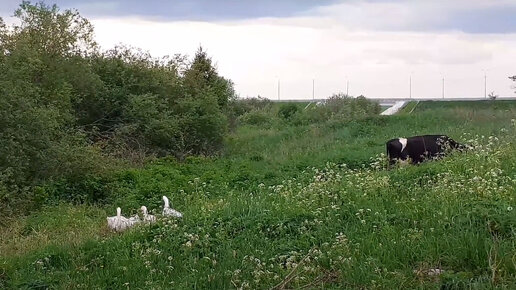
pixel 375 48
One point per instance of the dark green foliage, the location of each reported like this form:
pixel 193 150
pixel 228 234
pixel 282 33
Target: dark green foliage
pixel 65 106
pixel 38 61
pixel 344 108
pixel 242 106
pixel 159 106
pixel 238 107
pixel 258 118
pixel 202 80
pixel 286 111
pixel 338 110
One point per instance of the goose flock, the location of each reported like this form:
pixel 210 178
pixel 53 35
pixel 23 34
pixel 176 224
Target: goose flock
pixel 120 223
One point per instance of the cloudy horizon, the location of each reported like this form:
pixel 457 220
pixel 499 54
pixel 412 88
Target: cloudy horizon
pixel 376 45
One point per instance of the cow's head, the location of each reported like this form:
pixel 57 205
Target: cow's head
pixel 452 144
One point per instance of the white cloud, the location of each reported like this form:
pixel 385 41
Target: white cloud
pixel 346 41
pixel 410 15
pixel 255 53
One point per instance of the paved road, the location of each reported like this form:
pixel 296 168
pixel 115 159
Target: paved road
pixel 394 109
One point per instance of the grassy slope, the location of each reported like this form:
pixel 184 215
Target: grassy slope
pixel 409 108
pixel 254 213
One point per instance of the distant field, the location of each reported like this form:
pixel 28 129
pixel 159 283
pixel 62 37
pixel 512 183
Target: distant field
pixel 294 207
pixel 302 105
pixel 467 105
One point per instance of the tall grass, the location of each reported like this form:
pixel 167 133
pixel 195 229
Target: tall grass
pixel 293 207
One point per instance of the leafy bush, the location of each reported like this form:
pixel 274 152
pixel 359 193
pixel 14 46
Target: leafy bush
pixel 286 111
pixel 159 106
pixel 350 108
pixel 257 118
pixel 40 59
pixel 337 110
pixel 64 104
pixel 345 109
pixel 238 107
pixel 242 106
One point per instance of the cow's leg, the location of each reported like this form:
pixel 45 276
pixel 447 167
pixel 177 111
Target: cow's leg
pixel 416 156
pixel 392 161
pixel 393 151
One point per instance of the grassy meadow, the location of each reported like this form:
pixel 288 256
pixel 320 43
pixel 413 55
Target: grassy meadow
pixel 290 206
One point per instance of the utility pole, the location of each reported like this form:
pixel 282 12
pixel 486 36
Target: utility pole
pixel 278 89
pixel 347 88
pixel 485 84
pixel 410 87
pixel 443 87
pixel 313 89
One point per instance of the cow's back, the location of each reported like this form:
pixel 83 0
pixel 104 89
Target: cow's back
pixel 417 148
pixel 426 146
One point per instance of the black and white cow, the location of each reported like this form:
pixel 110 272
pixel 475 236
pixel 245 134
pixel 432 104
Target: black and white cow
pixel 419 148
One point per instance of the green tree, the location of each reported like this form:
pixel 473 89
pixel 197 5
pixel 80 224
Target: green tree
pixel 202 76
pixel 61 100
pixel 41 61
pixel 286 111
pixel 122 72
pixel 204 100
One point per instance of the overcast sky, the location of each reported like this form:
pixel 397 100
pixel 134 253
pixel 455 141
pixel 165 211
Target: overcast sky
pixel 376 45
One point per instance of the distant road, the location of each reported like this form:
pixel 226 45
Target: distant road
pixel 394 108
pixel 392 101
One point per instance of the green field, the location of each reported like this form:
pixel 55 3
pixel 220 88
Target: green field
pixel 287 206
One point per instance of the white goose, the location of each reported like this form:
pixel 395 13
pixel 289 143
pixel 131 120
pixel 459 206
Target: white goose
pixel 118 222
pixel 135 219
pixel 147 217
pixel 167 211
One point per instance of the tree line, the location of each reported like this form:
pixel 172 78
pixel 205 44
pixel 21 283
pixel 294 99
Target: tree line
pixel 66 106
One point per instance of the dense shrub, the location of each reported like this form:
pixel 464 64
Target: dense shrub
pixel 40 61
pixel 349 108
pixel 242 106
pixel 339 109
pixel 238 107
pixel 286 111
pixel 64 104
pixel 257 117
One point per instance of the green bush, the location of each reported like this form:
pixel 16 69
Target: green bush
pixel 309 116
pixel 287 111
pixel 65 105
pixel 159 106
pixel 242 106
pixel 238 107
pixel 39 60
pixel 342 108
pixel 337 110
pixel 257 118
